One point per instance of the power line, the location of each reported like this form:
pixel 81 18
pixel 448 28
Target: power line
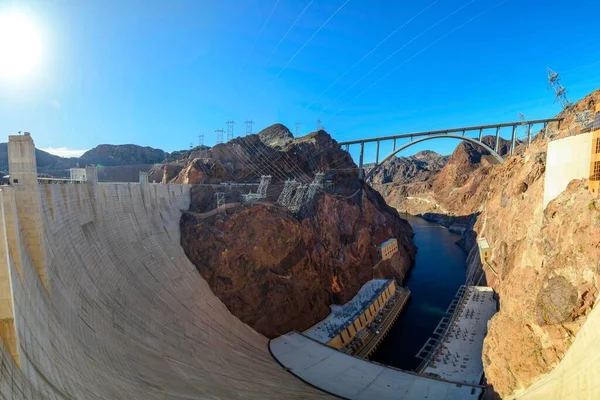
pixel 286 33
pixel 397 51
pixel 371 52
pixel 260 31
pixel 421 51
pixel 308 41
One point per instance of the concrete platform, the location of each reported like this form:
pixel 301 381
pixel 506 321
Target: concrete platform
pixel 356 378
pixel 459 355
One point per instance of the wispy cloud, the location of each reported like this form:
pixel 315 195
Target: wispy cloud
pixel 64 151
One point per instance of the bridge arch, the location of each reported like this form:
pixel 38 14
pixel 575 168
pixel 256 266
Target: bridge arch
pixel 445 135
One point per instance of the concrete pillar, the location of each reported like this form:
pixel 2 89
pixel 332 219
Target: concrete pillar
pixel 394 144
pixel 348 147
pixel 377 154
pixel 513 140
pixel 143 178
pixel 91 175
pixel 462 133
pixel 22 169
pixel 545 129
pixel 480 133
pixel 361 173
pixel 497 139
pixel 8 329
pixel 528 135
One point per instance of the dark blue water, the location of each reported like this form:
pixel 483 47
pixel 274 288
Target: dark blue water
pixel 438 272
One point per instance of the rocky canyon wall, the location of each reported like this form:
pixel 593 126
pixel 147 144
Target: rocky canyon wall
pixel 274 269
pixel 545 265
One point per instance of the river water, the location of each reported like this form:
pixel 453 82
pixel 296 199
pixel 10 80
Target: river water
pixel 438 272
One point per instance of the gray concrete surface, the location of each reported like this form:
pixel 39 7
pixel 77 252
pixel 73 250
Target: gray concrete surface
pixel 126 315
pixel 356 378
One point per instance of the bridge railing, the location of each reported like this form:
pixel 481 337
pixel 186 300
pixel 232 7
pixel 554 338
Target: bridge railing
pixel 452 131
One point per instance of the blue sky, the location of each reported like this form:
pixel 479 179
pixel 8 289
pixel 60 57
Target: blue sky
pixel 158 73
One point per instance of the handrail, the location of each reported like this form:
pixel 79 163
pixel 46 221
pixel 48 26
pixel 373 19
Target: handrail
pixel 452 130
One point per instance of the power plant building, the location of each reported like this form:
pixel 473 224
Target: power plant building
pixel 344 322
pixel 388 248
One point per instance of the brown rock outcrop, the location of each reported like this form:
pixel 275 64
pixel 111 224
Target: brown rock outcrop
pixel 274 270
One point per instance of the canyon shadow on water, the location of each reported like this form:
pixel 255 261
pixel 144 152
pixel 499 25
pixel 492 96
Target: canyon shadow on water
pixel 438 272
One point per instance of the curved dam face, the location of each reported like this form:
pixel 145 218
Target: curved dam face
pixel 100 302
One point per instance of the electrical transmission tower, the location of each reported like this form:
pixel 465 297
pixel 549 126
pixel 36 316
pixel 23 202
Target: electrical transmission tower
pixel 319 125
pixel 230 129
pixel 315 185
pixel 285 198
pixel 261 193
pixel 265 180
pixel 249 127
pixel 583 117
pixel 219 135
pixel 220 196
pixel 297 129
pixel 298 198
pixel 201 139
pixel 559 90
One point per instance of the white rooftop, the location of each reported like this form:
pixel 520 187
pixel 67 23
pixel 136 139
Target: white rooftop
pixel 483 243
pixel 356 378
pixel 342 316
pixel 389 241
pixel 459 358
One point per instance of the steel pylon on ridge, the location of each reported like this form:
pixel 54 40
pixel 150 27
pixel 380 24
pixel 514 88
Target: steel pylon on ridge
pixel 559 90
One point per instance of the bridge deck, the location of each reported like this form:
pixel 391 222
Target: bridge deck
pixel 451 130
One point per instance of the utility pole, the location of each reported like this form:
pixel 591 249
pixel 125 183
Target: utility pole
pixel 559 90
pixel 220 196
pixel 249 127
pixel 219 135
pixel 297 129
pixel 230 125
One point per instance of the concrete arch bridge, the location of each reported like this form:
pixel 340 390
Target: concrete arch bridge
pixel 456 133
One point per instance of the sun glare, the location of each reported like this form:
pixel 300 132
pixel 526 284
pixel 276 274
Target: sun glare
pixel 20 45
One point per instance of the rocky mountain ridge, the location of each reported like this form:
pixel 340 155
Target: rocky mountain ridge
pixel 402 170
pixel 274 268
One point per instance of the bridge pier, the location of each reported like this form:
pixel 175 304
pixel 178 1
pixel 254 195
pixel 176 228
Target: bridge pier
pixel 348 148
pixel 480 133
pixel 377 154
pixel 394 144
pixel 497 139
pixel 361 172
pixel 513 139
pixel 545 129
pixel 528 135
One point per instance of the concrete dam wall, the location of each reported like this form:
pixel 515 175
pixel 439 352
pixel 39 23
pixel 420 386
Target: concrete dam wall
pixel 102 303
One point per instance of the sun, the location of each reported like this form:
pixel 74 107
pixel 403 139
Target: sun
pixel 20 45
